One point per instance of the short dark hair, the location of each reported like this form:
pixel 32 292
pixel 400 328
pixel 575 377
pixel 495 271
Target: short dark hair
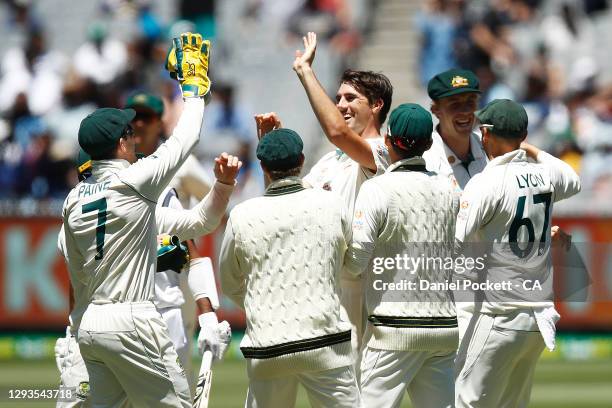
pixel 281 174
pixel 373 85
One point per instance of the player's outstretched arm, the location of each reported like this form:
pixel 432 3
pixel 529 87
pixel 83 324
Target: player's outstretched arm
pixel 206 216
pixel 330 118
pixel 188 63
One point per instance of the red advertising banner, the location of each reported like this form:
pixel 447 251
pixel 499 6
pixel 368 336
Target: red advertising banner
pixel 34 279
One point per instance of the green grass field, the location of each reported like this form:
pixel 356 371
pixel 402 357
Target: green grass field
pixel 557 384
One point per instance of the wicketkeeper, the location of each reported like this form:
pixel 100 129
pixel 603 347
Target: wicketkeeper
pixel 110 236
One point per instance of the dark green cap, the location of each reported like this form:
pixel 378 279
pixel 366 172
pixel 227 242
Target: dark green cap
pixel 100 130
pixel 409 123
pixel 452 82
pixel 146 101
pixel 506 118
pixel 280 149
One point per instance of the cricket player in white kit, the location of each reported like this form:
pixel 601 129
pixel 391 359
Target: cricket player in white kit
pixel 509 205
pixel 110 236
pixel 201 220
pixel 410 338
pixel 280 260
pixel 456 152
pixel 353 125
pixel 175 293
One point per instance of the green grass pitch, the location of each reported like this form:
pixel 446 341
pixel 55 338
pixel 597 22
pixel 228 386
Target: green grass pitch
pixel 557 384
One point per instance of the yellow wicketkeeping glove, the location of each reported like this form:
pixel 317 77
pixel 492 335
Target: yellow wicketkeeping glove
pixel 187 62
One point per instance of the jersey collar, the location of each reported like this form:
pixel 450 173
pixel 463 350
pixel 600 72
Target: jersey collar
pixel 513 156
pixel 416 163
pixel 99 168
pixel 284 186
pixel 476 150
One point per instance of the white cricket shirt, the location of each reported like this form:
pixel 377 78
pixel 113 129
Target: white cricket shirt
pixel 441 159
pixel 337 172
pixel 109 218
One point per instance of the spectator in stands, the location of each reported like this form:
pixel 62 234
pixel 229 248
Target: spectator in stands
pixel 229 127
pixel 101 59
pixel 436 25
pixel 34 71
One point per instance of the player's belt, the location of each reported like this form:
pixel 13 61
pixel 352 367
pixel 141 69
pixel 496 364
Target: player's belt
pixel 413 322
pixel 295 346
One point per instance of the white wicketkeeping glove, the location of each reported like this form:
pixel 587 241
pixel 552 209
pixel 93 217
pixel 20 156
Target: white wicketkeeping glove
pixel 213 336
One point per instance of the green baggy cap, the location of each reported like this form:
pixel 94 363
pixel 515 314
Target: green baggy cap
pixel 280 149
pixel 145 101
pixel 100 130
pixel 452 82
pixel 409 123
pixel 506 118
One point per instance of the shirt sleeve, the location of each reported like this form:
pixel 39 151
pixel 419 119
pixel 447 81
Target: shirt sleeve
pixel 150 176
pixel 369 216
pixel 564 179
pixel 380 154
pixel 233 280
pixel 476 209
pixel 202 219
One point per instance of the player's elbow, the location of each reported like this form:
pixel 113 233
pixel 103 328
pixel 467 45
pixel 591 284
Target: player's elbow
pixel 337 133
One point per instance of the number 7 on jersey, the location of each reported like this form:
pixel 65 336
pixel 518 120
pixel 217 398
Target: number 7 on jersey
pixel 99 205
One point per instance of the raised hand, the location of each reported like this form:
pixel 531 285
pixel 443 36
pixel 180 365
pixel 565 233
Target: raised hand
pixel 226 168
pixel 187 62
pixel 304 59
pixel 267 122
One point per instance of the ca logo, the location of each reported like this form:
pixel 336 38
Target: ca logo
pixel 191 69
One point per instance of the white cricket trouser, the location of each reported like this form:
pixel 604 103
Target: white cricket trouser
pixel 351 298
pixel 73 373
pixel 127 352
pixel 496 359
pixel 329 388
pixel 387 375
pixel 176 330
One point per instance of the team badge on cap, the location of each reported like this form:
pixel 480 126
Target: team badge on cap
pixel 458 81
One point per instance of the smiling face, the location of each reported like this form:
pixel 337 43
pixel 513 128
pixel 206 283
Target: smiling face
pixel 456 114
pixel 355 108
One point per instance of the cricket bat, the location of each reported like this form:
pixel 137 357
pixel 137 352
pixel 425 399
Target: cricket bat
pixel 202 393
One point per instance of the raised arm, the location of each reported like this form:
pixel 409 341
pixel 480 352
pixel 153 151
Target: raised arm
pixel 329 117
pixel 188 63
pixel 206 215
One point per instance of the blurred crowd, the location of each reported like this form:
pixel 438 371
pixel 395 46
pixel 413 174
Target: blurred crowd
pixel 45 93
pixel 542 53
